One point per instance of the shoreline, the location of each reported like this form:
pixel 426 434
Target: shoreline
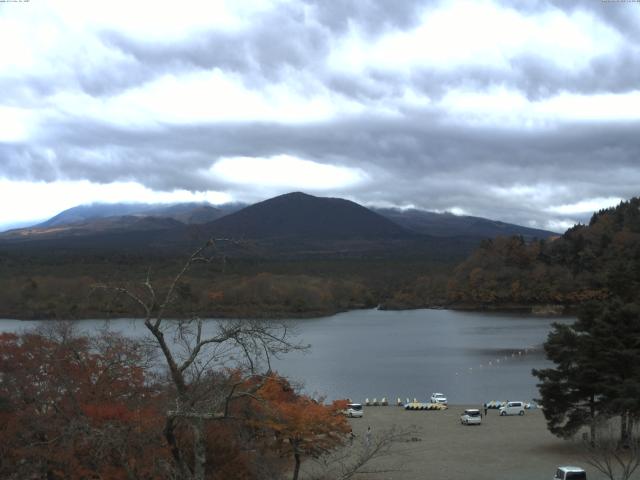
pixel 533 310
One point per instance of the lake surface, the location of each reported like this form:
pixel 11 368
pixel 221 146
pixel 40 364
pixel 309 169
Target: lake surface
pixel 471 357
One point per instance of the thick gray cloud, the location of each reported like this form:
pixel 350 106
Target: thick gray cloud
pixel 427 155
pixel 414 162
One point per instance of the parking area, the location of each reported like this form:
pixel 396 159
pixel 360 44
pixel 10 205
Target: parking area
pixel 501 448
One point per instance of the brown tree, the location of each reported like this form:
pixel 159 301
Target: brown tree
pixel 195 353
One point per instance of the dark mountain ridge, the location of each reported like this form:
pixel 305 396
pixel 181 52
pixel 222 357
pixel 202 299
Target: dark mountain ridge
pixel 450 225
pixel 188 213
pixel 305 216
pixel 294 225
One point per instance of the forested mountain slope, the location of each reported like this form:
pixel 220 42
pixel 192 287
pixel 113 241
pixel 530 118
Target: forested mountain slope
pixel 585 263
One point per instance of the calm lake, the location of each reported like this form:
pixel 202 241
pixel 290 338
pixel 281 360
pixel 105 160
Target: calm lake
pixel 471 357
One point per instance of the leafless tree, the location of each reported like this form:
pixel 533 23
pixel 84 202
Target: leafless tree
pixel 359 458
pixel 196 353
pixel 609 456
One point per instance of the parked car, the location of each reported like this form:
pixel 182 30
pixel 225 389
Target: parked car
pixel 354 410
pixel 471 416
pixel 512 408
pixel 570 473
pixel 438 398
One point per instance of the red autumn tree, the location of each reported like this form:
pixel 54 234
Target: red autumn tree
pixel 73 407
pixel 301 425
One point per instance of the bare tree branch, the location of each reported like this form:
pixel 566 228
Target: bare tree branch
pixel 191 357
pixel 613 459
pixel 358 458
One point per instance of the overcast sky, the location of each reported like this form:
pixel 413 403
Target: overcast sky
pixel 524 111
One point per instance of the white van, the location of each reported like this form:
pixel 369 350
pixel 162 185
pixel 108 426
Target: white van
pixel 354 410
pixel 512 408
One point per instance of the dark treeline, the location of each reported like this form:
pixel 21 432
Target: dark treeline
pixel 581 265
pixel 63 287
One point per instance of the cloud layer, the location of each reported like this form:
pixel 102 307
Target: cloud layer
pixel 527 112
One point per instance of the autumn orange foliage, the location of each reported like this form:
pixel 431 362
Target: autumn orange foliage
pixel 73 407
pixel 301 425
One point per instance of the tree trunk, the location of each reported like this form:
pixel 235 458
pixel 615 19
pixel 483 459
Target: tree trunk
pixel 296 469
pixel 592 412
pixel 169 433
pixel 624 428
pixel 199 449
pixel 296 456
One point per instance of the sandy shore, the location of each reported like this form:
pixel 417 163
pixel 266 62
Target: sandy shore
pixel 502 448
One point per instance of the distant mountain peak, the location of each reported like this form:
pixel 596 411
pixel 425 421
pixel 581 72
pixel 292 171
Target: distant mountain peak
pixel 298 214
pixel 295 194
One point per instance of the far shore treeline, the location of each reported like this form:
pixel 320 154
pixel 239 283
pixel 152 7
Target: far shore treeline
pixel 552 275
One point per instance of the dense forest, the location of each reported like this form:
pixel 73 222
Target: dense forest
pixel 585 263
pixel 552 275
pixel 593 385
pixel 65 287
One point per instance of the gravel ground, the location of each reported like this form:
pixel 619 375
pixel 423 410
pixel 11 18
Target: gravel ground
pixel 502 448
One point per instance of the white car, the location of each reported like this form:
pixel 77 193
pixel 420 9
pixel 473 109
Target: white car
pixel 354 410
pixel 438 398
pixel 570 473
pixel 471 416
pixel 512 408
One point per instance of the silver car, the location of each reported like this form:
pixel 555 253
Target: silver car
pixel 354 410
pixel 570 473
pixel 471 416
pixel 438 398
